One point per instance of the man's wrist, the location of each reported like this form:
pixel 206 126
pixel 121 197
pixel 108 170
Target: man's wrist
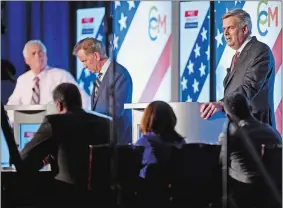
pixel 221 105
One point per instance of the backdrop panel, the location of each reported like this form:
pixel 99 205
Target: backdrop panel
pixel 142 44
pixel 194 51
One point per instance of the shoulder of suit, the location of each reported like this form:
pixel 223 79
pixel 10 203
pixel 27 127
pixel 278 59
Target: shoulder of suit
pixel 261 46
pixel 122 71
pixel 49 118
pixel 120 68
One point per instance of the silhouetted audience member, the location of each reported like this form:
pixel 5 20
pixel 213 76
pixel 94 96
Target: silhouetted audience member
pixel 159 136
pixel 158 129
pixel 65 137
pixel 245 180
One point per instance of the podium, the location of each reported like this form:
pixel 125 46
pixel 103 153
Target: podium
pixel 189 123
pixel 29 115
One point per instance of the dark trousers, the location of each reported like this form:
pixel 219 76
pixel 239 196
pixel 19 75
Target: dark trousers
pixel 246 195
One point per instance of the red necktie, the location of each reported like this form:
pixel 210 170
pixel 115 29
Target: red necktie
pixel 234 60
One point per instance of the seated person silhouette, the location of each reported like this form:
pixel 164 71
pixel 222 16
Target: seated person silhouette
pixel 159 137
pixel 66 137
pixel 159 134
pixel 244 144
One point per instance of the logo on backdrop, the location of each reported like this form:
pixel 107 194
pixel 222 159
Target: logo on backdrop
pixel 266 17
pixel 87 25
pixel 156 23
pixel 191 19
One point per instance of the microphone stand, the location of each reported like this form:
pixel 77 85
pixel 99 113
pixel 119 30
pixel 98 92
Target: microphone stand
pixel 109 34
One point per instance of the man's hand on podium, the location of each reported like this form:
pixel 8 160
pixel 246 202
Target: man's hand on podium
pixel 209 109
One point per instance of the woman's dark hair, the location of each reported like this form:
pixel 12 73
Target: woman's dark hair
pixel 160 118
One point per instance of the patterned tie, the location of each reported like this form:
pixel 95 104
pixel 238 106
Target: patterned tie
pixel 35 92
pixel 234 60
pixel 97 84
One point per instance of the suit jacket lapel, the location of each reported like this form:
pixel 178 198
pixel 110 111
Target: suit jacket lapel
pixel 226 77
pixel 102 87
pixel 238 63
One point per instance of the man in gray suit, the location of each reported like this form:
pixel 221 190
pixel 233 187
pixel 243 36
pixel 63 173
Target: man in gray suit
pixel 112 88
pixel 251 72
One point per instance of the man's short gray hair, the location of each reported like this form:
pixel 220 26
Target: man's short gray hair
pixel 33 42
pixel 243 16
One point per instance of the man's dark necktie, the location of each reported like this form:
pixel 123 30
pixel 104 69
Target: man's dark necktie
pixel 97 84
pixel 234 60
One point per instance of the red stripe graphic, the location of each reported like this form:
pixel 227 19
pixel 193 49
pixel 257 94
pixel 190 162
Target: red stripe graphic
pixel 157 74
pixel 277 52
pixel 278 117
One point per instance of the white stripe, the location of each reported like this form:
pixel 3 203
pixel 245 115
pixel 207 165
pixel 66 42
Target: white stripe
pixel 165 86
pixel 278 88
pixel 204 94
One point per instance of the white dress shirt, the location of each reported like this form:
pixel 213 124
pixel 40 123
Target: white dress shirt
pixel 49 78
pixel 104 68
pixel 244 44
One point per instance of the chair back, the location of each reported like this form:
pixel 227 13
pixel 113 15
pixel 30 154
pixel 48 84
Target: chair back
pixel 272 160
pixel 99 167
pixel 198 161
pixel 198 175
pixel 129 162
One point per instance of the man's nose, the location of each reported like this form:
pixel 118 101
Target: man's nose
pixel 38 55
pixel 226 32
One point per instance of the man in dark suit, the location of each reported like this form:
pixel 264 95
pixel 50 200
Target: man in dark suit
pixel 246 137
pixel 251 72
pixel 65 138
pixel 112 88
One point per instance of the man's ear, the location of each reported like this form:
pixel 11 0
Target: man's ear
pixel 26 61
pixel 97 56
pixel 245 29
pixel 59 105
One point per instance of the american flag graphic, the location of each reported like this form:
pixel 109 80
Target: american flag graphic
pixel 194 77
pixel 146 58
pixel 273 39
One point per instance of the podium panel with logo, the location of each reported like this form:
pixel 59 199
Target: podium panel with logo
pixel 27 120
